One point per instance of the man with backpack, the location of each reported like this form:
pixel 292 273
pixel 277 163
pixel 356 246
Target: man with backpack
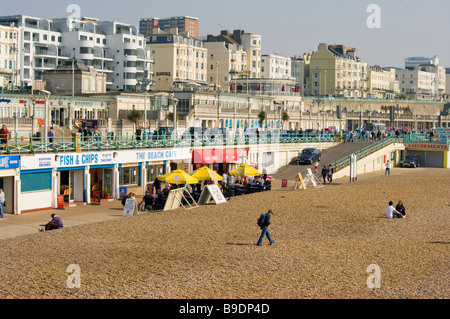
pixel 264 222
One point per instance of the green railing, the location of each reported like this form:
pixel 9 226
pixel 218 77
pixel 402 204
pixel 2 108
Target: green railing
pixel 406 139
pixel 18 145
pixel 31 145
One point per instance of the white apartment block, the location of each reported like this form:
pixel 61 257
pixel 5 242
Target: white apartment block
pixel 416 84
pixel 113 48
pixel 8 56
pixel 276 67
pixel 179 59
pixel 424 82
pixel 251 43
pixel 226 62
pixel 412 62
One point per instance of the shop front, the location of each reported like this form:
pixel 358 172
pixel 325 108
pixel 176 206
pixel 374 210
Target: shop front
pixel 430 155
pixel 138 169
pixel 9 175
pixel 85 178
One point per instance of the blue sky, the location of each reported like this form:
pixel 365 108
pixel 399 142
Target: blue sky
pixel 289 27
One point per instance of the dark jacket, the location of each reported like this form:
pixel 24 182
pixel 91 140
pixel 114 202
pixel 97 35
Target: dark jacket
pixel 266 220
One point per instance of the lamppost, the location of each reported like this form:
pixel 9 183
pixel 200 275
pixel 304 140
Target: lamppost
pixel 144 83
pixel 175 124
pixel 47 96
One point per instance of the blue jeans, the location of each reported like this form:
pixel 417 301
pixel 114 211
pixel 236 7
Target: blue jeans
pixel 1 210
pixel 265 232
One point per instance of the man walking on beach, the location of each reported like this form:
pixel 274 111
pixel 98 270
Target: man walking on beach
pixel 264 227
pixel 388 168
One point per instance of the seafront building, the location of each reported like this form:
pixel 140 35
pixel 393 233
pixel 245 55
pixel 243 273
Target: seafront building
pixel 180 60
pixel 186 24
pixel 413 62
pixel 227 62
pixel 337 70
pixel 300 71
pixel 113 48
pixel 251 44
pixel 382 83
pixel 9 50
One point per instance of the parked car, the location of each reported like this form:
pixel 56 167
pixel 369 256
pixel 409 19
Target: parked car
pixel 410 161
pixel 309 155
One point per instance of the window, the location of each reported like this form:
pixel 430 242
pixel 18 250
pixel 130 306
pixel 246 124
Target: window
pixel 129 176
pixel 316 75
pixel 36 181
pixel 316 84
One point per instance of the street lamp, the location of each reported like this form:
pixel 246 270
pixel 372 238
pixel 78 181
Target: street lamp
pixel 171 96
pixel 47 96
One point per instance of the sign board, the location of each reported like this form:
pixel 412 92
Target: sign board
pixel 300 182
pixel 60 201
pixel 174 199
pixel 353 168
pixel 123 191
pixel 78 143
pixel 96 197
pixel 212 191
pixel 130 207
pixel 427 147
pixel 284 183
pixel 8 162
pixel 311 178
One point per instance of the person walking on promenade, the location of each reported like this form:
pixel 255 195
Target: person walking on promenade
pixel 324 174
pixel 4 134
pixel 391 212
pixel 388 168
pixel 316 167
pixel 2 202
pixel 51 135
pixel 330 173
pixel 264 222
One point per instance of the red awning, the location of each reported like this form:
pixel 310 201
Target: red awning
pixel 212 156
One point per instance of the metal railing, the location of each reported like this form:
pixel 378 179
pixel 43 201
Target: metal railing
pixel 29 144
pixel 390 139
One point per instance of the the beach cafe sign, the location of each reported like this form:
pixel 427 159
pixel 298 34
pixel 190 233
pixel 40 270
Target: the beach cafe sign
pixel 65 160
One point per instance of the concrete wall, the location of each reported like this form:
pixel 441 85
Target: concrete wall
pixel 375 162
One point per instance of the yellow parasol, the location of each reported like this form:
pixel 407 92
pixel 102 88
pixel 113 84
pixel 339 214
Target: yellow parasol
pixel 245 170
pixel 205 173
pixel 178 177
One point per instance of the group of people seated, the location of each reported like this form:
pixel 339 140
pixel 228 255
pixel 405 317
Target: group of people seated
pixel 399 211
pixel 156 199
pixel 244 185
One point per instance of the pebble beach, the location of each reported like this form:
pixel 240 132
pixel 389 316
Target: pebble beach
pixel 326 239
